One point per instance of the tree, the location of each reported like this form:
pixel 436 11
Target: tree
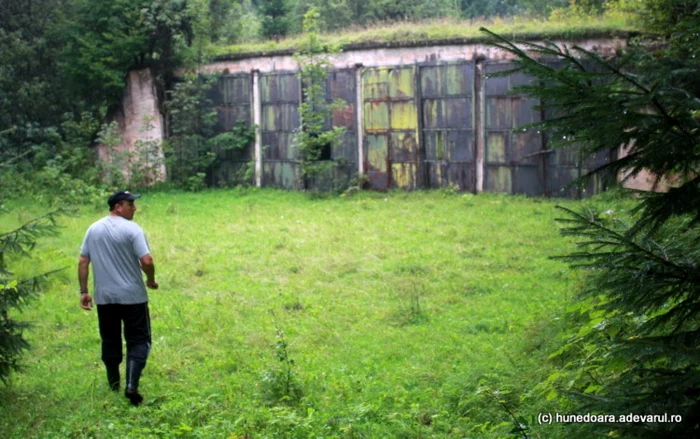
pixel 337 14
pixel 232 21
pixel 15 293
pixel 315 142
pixel 47 130
pixel 32 97
pixel 488 8
pixel 275 18
pixel 634 345
pixel 108 38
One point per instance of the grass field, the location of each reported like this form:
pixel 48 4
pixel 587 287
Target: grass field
pixel 383 315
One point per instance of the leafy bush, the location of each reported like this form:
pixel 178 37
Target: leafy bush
pixel 314 142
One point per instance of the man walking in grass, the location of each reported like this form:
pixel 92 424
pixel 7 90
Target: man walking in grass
pixel 118 250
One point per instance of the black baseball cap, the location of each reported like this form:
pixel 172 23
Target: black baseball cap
pixel 121 196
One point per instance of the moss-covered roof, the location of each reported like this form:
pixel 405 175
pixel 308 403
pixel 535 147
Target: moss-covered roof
pixel 435 34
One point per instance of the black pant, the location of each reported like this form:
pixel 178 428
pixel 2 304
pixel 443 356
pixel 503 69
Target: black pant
pixel 137 332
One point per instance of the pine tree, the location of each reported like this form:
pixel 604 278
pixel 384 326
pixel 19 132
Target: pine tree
pixel 275 20
pixel 634 345
pixel 14 294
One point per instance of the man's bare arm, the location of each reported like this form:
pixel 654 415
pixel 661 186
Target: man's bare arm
pixel 149 268
pixel 83 274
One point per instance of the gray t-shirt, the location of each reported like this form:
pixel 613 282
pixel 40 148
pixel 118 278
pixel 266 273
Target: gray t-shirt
pixel 114 246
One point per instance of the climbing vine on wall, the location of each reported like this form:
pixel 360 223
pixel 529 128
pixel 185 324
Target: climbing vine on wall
pixel 194 147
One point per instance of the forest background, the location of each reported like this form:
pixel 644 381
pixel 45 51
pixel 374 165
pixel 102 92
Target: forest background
pixel 64 63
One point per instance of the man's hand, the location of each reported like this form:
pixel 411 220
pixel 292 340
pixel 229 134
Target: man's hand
pixel 86 301
pixel 152 284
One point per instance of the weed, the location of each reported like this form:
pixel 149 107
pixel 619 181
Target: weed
pixel 450 189
pixel 416 313
pixel 280 383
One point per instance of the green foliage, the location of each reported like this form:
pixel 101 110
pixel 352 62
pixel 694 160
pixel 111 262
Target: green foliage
pixel 64 64
pixel 576 10
pixel 561 10
pixel 32 96
pixel 233 21
pixel 490 8
pixel 642 101
pixel 314 141
pixel 41 123
pixel 333 15
pixel 666 17
pixel 112 169
pixel 15 294
pixel 338 15
pixel 194 147
pixel 109 38
pixel 635 337
pixel 280 384
pixel 275 20
pixel 141 166
pixel 634 348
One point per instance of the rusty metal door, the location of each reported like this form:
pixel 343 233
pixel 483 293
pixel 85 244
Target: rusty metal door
pixel 340 86
pixel 447 125
pixel 565 165
pixel 280 94
pixel 390 119
pixel 232 98
pixel 513 160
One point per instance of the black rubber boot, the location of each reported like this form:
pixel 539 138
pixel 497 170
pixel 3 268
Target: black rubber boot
pixel 133 375
pixel 113 377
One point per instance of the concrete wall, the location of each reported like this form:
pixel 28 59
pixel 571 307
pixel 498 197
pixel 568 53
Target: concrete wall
pixel 398 152
pixel 141 131
pixel 140 105
pixel 391 57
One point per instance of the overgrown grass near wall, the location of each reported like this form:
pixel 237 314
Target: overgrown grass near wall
pixel 565 26
pixel 405 314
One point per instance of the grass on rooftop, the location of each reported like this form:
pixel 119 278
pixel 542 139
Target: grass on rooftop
pixel 445 29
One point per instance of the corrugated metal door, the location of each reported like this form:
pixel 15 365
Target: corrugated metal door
pixel 232 99
pixel 390 121
pixel 279 97
pixel 447 125
pixel 564 165
pixel 513 161
pixel 340 86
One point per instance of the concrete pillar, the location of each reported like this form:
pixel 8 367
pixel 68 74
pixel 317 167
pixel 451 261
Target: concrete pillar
pixel 360 128
pixel 479 121
pixel 257 119
pixel 140 130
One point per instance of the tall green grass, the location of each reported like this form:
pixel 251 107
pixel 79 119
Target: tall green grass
pixel 566 25
pixel 396 314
